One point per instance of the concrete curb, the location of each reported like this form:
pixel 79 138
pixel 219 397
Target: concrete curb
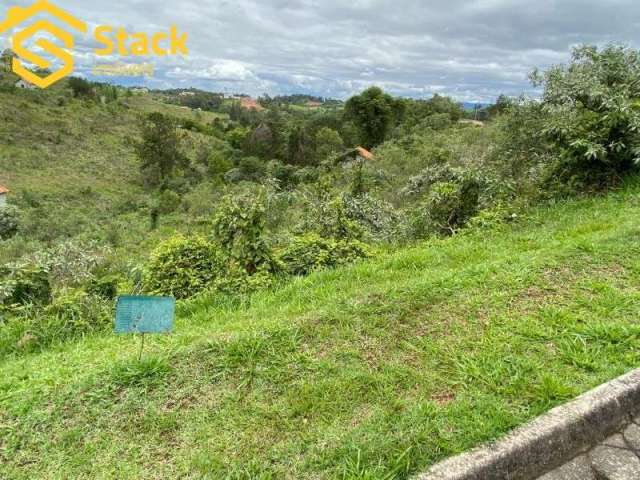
pixel 550 440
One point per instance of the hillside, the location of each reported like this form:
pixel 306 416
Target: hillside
pixel 372 371
pixel 72 169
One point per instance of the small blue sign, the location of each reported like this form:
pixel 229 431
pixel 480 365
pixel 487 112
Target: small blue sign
pixel 145 314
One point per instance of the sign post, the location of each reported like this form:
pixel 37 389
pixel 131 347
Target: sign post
pixel 142 315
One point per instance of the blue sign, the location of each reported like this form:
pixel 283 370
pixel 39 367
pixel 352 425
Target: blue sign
pixel 145 314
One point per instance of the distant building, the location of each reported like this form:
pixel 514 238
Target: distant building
pixel 139 90
pixel 251 104
pixel 355 153
pixel 312 104
pixel 24 84
pixel 3 195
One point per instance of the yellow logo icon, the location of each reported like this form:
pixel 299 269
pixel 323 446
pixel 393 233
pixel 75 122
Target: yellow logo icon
pixel 17 16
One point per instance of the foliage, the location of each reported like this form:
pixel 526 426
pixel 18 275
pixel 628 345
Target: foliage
pixel 159 151
pixel 374 112
pixel 283 173
pixel 183 267
pixel 81 87
pixel 24 284
pixel 592 113
pixel 311 252
pixel 299 148
pixel 328 142
pixel 376 217
pixel 218 163
pixel 105 287
pixel 239 226
pixel 453 197
pixel 8 222
pixel 71 263
pixel 522 153
pixel 168 201
pixel 328 216
pixel 79 312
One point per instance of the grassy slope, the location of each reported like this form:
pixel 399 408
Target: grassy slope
pixel 368 372
pixel 72 169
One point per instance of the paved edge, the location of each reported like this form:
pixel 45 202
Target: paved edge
pixel 550 440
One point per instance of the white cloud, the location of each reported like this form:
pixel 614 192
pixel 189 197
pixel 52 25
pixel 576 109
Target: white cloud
pixel 471 50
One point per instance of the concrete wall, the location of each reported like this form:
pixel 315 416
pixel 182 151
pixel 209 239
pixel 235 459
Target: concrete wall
pixel 3 199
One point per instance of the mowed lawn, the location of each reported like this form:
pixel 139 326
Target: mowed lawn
pixel 374 371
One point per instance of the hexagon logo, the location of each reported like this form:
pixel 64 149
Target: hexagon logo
pixel 17 16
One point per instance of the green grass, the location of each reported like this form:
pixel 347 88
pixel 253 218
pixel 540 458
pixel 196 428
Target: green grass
pixel 72 169
pixel 374 371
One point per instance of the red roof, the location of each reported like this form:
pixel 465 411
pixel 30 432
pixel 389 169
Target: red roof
pixel 251 104
pixel 3 190
pixel 364 153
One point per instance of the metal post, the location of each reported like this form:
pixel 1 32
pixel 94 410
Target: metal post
pixel 141 347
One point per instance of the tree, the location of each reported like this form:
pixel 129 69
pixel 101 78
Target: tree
pixel 592 111
pixel 159 151
pixel 81 87
pixel 374 113
pixel 328 142
pixel 239 227
pixel 6 59
pixel 298 146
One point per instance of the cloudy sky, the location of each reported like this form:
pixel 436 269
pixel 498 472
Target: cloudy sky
pixel 472 50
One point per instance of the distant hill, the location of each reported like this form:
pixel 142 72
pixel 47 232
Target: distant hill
pixel 472 106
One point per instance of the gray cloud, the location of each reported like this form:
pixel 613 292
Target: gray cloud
pixel 472 50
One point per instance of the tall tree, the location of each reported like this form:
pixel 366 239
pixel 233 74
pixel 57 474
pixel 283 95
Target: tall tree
pixel 374 113
pixel 159 151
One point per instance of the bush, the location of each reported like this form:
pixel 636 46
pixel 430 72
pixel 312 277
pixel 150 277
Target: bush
pixel 71 263
pixel 24 284
pixel 168 202
pixel 377 217
pixel 283 173
pixel 453 198
pixel 104 287
pixel 8 222
pixel 592 114
pixel 239 227
pixel 329 218
pixel 76 311
pixel 238 282
pixel 183 267
pixel 311 252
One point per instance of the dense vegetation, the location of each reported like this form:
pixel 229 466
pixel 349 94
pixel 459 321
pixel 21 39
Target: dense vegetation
pixel 192 194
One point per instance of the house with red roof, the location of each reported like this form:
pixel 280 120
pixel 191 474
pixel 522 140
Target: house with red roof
pixel 355 154
pixel 251 104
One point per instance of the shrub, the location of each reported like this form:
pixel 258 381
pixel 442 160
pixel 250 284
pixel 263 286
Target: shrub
pixel 24 284
pixel 453 198
pixel 168 202
pixel 593 114
pixel 238 282
pixel 311 252
pixel 8 222
pixel 239 227
pixel 377 217
pixel 329 218
pixel 218 164
pixel 76 311
pixel 104 287
pixel 71 263
pixel 183 267
pixel 283 173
